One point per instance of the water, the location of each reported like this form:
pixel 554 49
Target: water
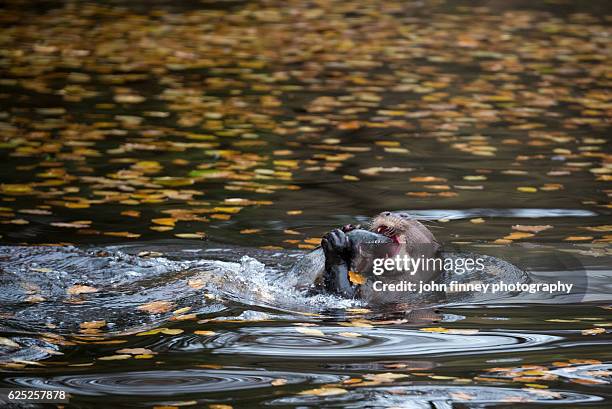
pixel 189 153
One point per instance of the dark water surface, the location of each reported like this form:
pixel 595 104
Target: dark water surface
pixel 185 154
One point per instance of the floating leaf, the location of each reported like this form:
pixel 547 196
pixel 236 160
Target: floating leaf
pixel 518 236
pixel 81 289
pixel 593 331
pixel 527 189
pixel 356 278
pixel 531 229
pixel 93 324
pixel 156 307
pixel 199 235
pixel 204 332
pixel 114 357
pixel 135 351
pixel 324 391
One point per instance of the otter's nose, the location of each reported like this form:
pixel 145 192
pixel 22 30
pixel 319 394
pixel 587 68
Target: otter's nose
pixel 386 213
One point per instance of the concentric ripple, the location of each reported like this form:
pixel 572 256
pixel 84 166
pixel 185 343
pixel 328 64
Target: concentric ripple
pixel 165 383
pixel 440 396
pixel 368 342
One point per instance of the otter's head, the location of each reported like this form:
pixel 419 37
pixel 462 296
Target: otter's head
pixel 402 228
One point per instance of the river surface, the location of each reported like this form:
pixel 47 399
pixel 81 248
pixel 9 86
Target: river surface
pixel 165 163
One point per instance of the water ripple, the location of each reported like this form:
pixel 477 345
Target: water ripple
pixel 165 383
pixel 361 342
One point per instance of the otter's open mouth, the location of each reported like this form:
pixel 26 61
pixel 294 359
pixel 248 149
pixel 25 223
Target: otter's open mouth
pixel 388 231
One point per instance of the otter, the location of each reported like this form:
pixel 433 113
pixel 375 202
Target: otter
pixel 351 249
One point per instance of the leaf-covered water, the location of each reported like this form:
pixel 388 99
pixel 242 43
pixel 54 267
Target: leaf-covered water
pixel 166 141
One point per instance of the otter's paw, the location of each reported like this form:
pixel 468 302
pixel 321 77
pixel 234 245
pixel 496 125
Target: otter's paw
pixel 350 227
pixel 336 246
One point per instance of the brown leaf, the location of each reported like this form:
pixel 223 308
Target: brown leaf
pixel 531 229
pixel 156 307
pixel 81 289
pixel 93 324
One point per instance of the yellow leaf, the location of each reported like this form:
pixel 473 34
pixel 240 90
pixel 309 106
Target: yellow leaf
pixel 385 377
pixel 171 331
pixel 434 329
pixel 356 278
pixel 135 351
pixel 15 189
pixel 314 240
pixel 527 189
pixel 230 210
pixel 518 235
pixel 358 310
pixel 122 234
pixel 131 213
pixel 204 332
pixel 114 357
pixel 324 391
pixel 165 221
pixel 190 235
pixel 181 310
pixel 161 228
